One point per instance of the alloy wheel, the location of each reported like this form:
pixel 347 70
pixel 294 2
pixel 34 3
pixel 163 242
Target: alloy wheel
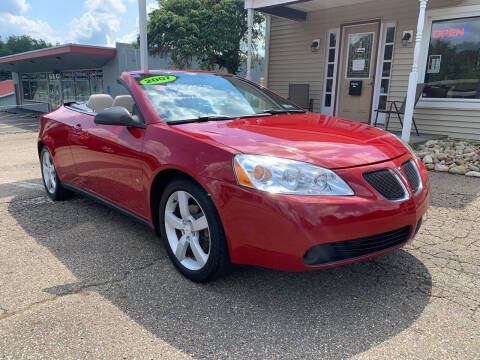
pixel 187 230
pixel 49 173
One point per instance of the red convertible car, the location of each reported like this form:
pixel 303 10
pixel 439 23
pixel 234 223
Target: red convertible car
pixel 228 172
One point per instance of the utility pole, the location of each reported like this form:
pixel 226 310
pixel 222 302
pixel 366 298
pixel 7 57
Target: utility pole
pixel 142 18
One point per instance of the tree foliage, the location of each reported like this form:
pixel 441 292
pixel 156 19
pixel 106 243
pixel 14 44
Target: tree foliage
pixel 212 32
pixel 18 44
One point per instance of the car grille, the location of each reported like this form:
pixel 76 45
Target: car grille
pixel 411 171
pixel 350 249
pixel 387 183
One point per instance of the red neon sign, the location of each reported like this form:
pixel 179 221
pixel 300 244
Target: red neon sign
pixel 450 33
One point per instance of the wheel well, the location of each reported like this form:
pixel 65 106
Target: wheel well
pixel 159 183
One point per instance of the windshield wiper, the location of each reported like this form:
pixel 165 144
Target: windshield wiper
pixel 202 119
pixel 206 118
pixel 281 111
pixel 254 115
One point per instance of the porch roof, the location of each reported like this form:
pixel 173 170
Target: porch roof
pixel 296 10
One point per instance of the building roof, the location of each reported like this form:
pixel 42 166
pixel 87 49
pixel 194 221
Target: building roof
pixel 296 9
pixel 58 58
pixel 6 88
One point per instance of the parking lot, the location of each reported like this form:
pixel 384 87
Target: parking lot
pixel 80 281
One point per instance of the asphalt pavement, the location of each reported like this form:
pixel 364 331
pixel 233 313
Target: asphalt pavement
pixel 18 120
pixel 80 281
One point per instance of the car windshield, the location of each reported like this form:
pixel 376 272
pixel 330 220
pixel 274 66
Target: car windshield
pixel 185 96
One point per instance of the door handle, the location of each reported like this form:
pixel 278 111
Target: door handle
pixel 77 128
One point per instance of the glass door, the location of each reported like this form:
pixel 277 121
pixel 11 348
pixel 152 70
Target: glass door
pixel 54 90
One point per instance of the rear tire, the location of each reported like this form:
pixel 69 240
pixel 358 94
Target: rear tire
pixel 52 183
pixel 192 232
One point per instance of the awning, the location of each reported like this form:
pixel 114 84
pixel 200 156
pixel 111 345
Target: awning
pixel 58 58
pixel 296 10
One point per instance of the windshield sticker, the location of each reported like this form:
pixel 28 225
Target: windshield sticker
pixel 288 106
pixel 159 79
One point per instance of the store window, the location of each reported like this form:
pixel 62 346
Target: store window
pixel 82 86
pixel 35 87
pixel 453 61
pixel 55 88
pixel 68 86
pixel 96 82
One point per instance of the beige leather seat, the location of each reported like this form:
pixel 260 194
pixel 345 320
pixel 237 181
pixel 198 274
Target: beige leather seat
pixel 125 101
pixel 99 102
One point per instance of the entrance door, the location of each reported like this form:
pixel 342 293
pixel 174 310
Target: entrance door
pixel 357 77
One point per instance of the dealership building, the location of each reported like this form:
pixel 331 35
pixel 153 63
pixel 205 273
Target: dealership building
pixel 46 78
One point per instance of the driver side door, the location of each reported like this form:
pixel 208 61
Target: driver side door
pixel 111 164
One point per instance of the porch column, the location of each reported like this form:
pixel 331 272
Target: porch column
pixel 413 79
pixel 249 50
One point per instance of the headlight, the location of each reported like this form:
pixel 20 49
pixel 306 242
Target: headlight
pixel 283 176
pixel 407 145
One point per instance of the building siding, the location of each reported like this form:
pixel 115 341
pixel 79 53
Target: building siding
pixel 7 100
pixel 292 61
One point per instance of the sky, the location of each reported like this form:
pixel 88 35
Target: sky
pixel 88 22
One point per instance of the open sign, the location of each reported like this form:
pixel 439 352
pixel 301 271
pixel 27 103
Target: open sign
pixel 452 33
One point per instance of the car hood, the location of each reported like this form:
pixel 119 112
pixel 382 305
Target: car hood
pixel 319 139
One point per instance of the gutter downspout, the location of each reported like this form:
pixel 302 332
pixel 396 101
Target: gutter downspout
pixel 413 78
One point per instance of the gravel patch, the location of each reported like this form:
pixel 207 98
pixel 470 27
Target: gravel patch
pixel 460 157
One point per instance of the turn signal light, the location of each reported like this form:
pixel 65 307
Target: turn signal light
pixel 242 176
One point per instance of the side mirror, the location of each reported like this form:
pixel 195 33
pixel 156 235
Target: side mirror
pixel 118 115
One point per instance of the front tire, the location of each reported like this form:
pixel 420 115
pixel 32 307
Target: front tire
pixel 52 183
pixel 192 231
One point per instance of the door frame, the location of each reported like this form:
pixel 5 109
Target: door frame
pixel 330 110
pixel 340 66
pixel 380 62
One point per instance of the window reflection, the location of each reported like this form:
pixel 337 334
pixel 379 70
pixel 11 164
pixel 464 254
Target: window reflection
pixel 453 61
pixel 53 88
pixel 191 95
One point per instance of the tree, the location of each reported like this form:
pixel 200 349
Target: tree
pixel 18 44
pixel 212 32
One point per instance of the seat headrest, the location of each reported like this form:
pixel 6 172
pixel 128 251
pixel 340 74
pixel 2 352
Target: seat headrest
pixel 99 102
pixel 125 101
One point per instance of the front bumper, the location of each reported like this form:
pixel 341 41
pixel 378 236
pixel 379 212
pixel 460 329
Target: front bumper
pixel 277 231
